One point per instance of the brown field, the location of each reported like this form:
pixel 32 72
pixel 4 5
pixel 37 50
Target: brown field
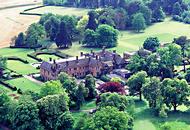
pixel 12 22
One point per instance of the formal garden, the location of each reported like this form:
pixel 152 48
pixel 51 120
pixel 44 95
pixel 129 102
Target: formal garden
pixel 161 72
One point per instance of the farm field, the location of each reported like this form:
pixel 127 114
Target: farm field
pixel 24 84
pixel 59 10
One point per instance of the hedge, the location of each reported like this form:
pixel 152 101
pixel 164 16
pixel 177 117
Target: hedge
pixel 17 58
pixel 8 85
pixel 26 47
pixel 49 52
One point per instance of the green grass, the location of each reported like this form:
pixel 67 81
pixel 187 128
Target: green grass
pixel 46 57
pixel 21 68
pixel 89 105
pixel 145 119
pixel 3 89
pixel 130 41
pixel 21 53
pixel 25 84
pixel 60 10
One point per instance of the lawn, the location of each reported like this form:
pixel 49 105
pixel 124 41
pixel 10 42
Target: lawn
pixel 25 84
pixel 3 89
pixel 145 119
pixel 21 53
pixel 46 57
pixel 130 41
pixel 21 68
pixel 59 10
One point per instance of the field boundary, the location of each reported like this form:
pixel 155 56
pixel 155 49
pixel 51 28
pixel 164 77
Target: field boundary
pixel 19 5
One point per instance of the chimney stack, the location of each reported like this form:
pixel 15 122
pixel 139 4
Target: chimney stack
pixel 50 59
pixel 81 53
pixel 114 51
pixel 77 58
pixel 54 61
pixel 91 51
pixel 103 48
pixel 96 57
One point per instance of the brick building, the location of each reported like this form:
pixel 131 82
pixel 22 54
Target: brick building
pixel 95 63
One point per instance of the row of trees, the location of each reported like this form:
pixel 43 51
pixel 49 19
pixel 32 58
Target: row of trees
pixel 169 93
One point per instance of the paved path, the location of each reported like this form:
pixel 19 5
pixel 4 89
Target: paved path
pixel 32 79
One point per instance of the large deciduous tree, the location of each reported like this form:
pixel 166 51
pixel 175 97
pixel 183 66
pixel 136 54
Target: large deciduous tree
pixel 175 92
pixel 51 108
pixel 151 91
pixel 151 43
pixel 91 86
pixel 109 118
pixel 136 82
pixel 138 22
pixel 26 116
pixel 170 56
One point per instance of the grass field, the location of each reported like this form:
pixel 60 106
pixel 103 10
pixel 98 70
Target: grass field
pixel 21 68
pixel 25 84
pixel 130 41
pixel 59 10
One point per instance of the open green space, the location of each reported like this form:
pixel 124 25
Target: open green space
pixel 145 119
pixel 3 89
pixel 20 67
pixel 46 57
pixel 21 53
pixel 130 41
pixel 59 10
pixel 24 84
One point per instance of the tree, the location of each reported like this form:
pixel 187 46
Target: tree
pixel 34 34
pixel 3 64
pixel 136 82
pixel 26 116
pixel 51 108
pixel 175 92
pixel 70 85
pixel 90 38
pixel 121 18
pixel 92 20
pixel 5 109
pixel 187 76
pixel 136 63
pixel 139 22
pixel 63 39
pixel 151 43
pixel 114 100
pixel 183 42
pixel 65 121
pixel 20 40
pixel 151 91
pixel 107 36
pixel 82 23
pixel 62 77
pixel 91 86
pixel 81 93
pixel 51 88
pixel 170 56
pixel 147 13
pixel 109 118
pixel 177 10
pixel 158 15
pixel 70 23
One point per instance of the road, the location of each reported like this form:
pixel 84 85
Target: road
pixel 12 22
